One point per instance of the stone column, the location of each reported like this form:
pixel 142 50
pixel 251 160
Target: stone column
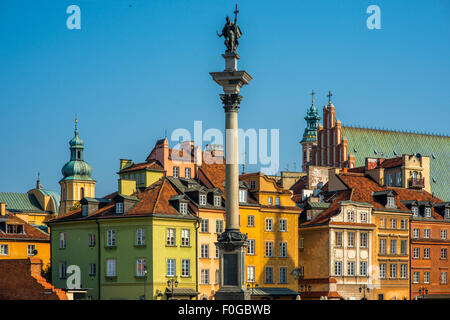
pixel 232 243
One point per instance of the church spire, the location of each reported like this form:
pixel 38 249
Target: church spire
pixel 38 181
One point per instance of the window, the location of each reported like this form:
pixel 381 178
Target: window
pixel 183 207
pixel 447 213
pixel 270 201
pixel 416 253
pixel 204 276
pixel 443 277
pixel 219 226
pixel 404 271
pixel 110 238
pixel 426 277
pixel 398 179
pixel 250 221
pixel 390 202
pixel 204 251
pixel 338 240
pixel 382 271
pixel 426 233
pixel 444 234
pixel 204 225
pixel 251 274
pixel 185 238
pixel 92 269
pixel 338 268
pixel 217 277
pixel 242 195
pixel 363 216
pixel 142 178
pixel 202 200
pixel 393 271
pixel 393 223
pixel 283 275
pixel 269 225
pixel 382 222
pixel 141 267
pixel 14 228
pixel 403 247
pixel 111 267
pixel 62 240
pixel 92 240
pixel 363 268
pixel 171 267
pixel 389 179
pixel 119 207
pixel 30 249
pixel 382 246
pixel 351 239
pixel 428 212
pixel 426 253
pixel 416 233
pixel 185 268
pixel 176 172
pixel 269 274
pixel 351 268
pixel 170 237
pixel 62 270
pixel 269 248
pixel 415 211
pixel 217 252
pixel 277 201
pixel 84 210
pixel 283 249
pixel 393 249
pixel 217 201
pixel 380 296
pixel 251 246
pixel 140 237
pixel 4 249
pixel 283 225
pixel 403 224
pixel 252 184
pixel 350 216
pixel 443 253
pixel 364 240
pixel 416 277
pixel 187 173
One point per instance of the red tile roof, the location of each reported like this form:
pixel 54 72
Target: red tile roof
pixel 214 174
pixel 30 232
pixel 392 163
pixel 21 280
pixel 151 164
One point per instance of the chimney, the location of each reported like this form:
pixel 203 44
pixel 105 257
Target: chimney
pixel 124 163
pixel 2 209
pixel 35 267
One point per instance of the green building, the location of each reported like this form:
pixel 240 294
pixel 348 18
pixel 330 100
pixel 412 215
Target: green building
pixel 129 247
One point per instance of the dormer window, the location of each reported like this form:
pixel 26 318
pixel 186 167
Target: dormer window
pixel 242 195
pixel 350 216
pixel 447 213
pixel 183 207
pixel 14 228
pixel 252 184
pixel 415 211
pixel 84 210
pixel 217 201
pixel 389 179
pixel 119 207
pixel 390 202
pixel 176 172
pixel 202 199
pixel 428 212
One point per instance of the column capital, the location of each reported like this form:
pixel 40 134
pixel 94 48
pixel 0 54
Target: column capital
pixel 231 101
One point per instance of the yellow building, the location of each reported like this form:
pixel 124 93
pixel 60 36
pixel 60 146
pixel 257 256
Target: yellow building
pixel 21 240
pixel 272 228
pixel 138 175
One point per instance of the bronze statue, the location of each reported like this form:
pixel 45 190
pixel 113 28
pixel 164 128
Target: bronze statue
pixel 231 33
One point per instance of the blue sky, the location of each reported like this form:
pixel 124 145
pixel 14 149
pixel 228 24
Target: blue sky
pixel 137 68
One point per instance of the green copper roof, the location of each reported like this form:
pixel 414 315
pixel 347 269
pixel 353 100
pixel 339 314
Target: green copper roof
pixel 21 202
pixel 77 170
pixel 312 121
pixel 363 142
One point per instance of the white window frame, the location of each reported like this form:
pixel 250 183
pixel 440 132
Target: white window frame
pixel 283 249
pixel 62 240
pixel 364 239
pixel 416 233
pixel 351 268
pixel 219 226
pixel 170 237
pixel 170 267
pixel 269 200
pixel 176 172
pixel 111 267
pixel 426 277
pixel 185 268
pixel 382 246
pixel 242 195
pixel 119 207
pixel 363 268
pixel 267 278
pixel 268 246
pixel 251 247
pixel 141 266
pixel 277 201
pixel 382 270
pixel 204 225
pixel 251 274
pixel 187 173
pixel 202 199
pixel 204 251
pixel 269 224
pixel 204 276
pixel 426 233
pixel 4 249
pixel 415 211
pixel 416 253
pixel 443 233
pixel 283 275
pixel 30 249
pixel 183 207
pixel 403 271
pixel 416 277
pixel 250 221
pixel 217 201
pixel 283 225
pixel 427 212
pixel 110 238
pixel 140 236
pixel 185 237
pixel 338 268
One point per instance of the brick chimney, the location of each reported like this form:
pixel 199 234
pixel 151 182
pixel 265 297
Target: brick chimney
pixel 2 209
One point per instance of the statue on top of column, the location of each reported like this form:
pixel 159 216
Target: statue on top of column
pixel 231 33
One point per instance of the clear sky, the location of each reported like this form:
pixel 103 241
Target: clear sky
pixel 139 67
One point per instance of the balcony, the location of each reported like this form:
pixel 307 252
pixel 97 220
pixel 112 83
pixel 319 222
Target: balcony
pixel 416 183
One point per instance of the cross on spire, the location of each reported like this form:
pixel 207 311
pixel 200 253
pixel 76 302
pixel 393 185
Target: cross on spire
pixel 76 123
pixel 329 95
pixel 312 96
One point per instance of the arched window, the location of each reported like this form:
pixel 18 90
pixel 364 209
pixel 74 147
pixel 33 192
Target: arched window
pixel 79 154
pixel 82 193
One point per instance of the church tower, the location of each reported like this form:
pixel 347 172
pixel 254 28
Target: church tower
pixel 310 135
pixel 77 182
